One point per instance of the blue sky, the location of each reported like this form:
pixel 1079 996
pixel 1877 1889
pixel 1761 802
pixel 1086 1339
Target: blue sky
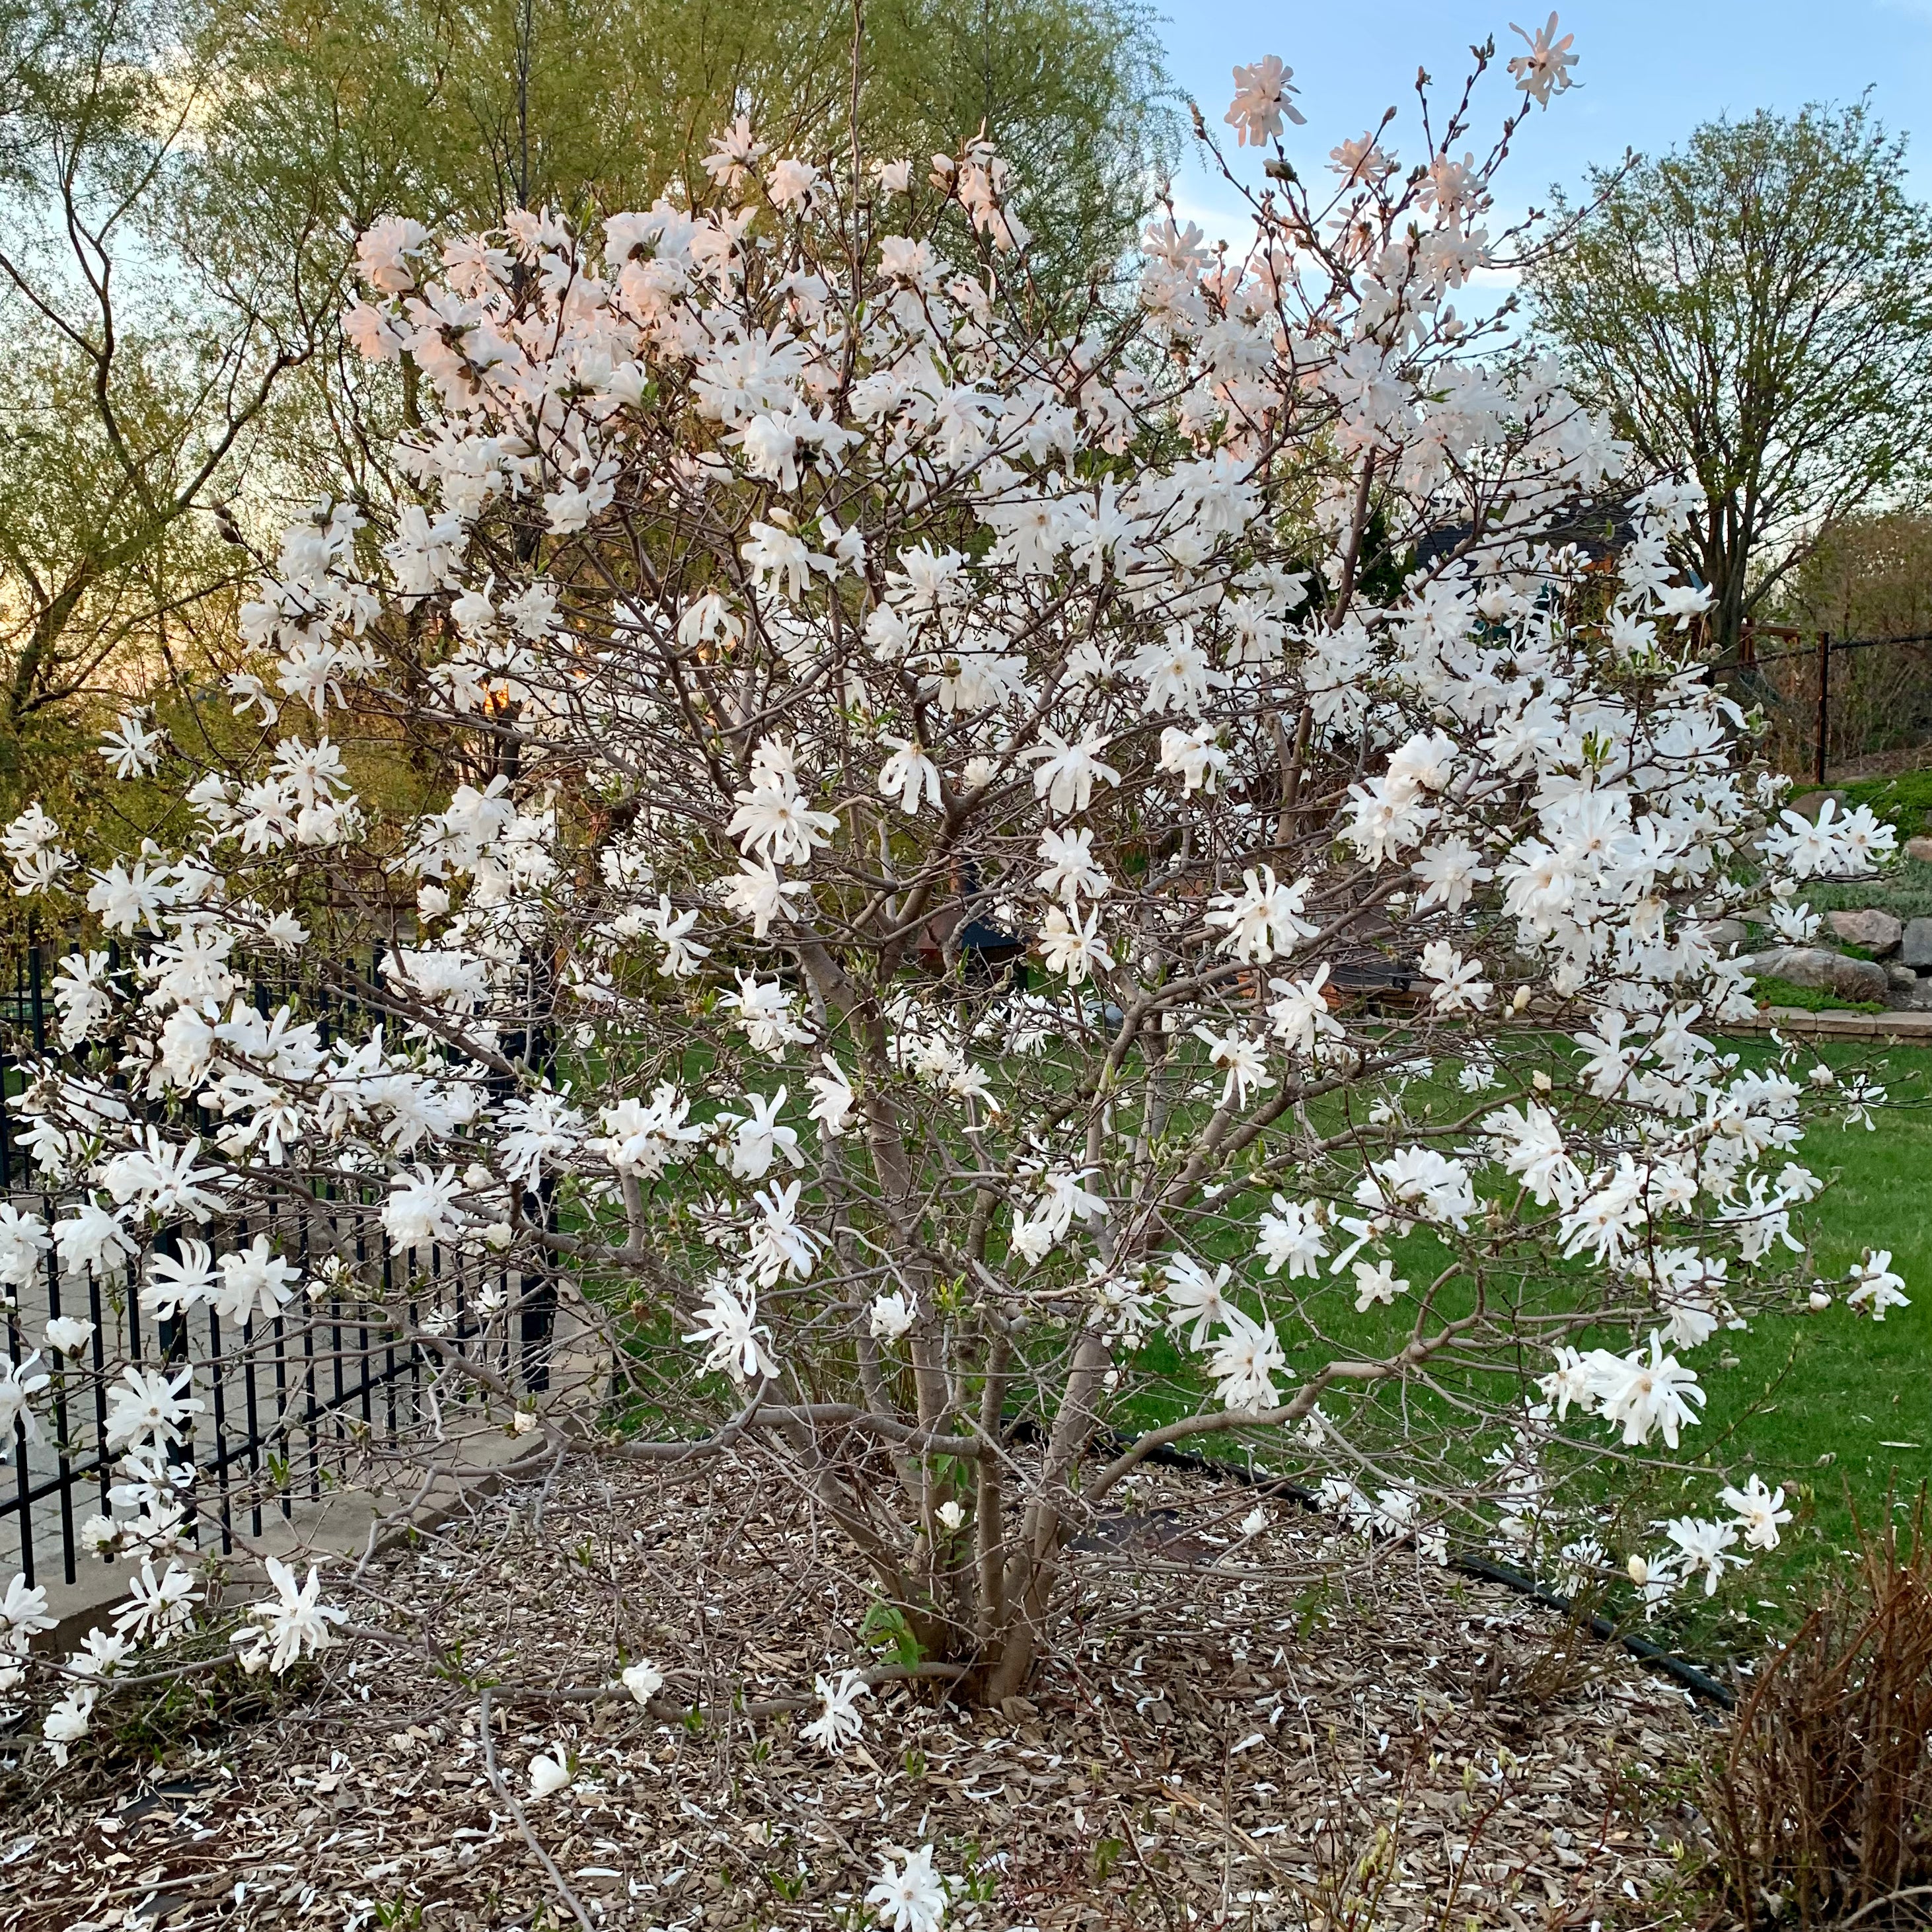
pixel 1649 72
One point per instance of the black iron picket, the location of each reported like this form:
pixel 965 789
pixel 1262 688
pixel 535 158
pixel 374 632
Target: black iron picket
pixel 290 1402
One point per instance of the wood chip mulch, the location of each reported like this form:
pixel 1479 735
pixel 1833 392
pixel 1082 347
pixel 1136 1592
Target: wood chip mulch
pixel 1267 1730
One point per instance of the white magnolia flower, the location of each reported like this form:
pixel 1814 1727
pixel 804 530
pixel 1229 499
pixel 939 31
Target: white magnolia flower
pixel 757 893
pixel 773 822
pixel 294 1623
pixel 1377 1281
pixel 421 1210
pixel 92 1241
pixel 908 1894
pixel 145 1409
pixel 642 1680
pixel 1065 773
pixel 549 1774
pixel 23 1613
pixel 1242 1059
pixel 29 843
pixel 1878 1288
pixel 1299 1015
pixel 764 1010
pixel 1194 1295
pixel 1197 758
pixel 1033 1237
pixel 1291 1238
pixel 158 1608
pixel 1459 986
pixel 1646 1398
pixel 778 1247
pixel 644 1138
pixel 69 1720
pixel 683 955
pixel 179 1281
pixel 892 1316
pixel 728 1325
pixel 1546 68
pixel 1337 1495
pixel 1705 1547
pixel 1263 920
pixel 1760 1512
pixel 24 1241
pixel 18 1382
pixel 839 1722
pixel 1068 944
pixel 1247 1357
pixel 908 776
pixel 1261 101
pixel 68 1333
pixel 1656 1579
pixel 833 1101
pixel 1071 871
pixel 132 748
pixel 759 1138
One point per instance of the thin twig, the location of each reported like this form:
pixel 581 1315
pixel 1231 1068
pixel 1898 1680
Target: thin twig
pixel 508 1797
pixel 1890 1898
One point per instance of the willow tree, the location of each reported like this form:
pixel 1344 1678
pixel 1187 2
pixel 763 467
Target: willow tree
pixel 181 178
pixel 462 113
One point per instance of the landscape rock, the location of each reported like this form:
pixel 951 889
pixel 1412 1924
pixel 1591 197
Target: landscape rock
pixel 1878 932
pixel 1824 972
pixel 1901 975
pixel 1920 849
pixel 1726 935
pixel 1915 996
pixel 1813 803
pixel 1918 947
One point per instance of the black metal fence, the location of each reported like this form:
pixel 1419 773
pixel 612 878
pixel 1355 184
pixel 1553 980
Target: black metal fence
pixel 356 1366
pixel 1812 690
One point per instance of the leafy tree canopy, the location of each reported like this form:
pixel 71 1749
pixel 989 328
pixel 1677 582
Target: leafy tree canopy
pixel 1752 313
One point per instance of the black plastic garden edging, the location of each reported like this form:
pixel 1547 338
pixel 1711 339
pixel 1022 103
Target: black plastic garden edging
pixel 1697 1682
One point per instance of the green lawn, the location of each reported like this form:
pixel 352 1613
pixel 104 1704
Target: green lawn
pixel 1904 890
pixel 1834 1407
pixel 1821 1403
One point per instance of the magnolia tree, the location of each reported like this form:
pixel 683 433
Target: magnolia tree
pixel 1012 892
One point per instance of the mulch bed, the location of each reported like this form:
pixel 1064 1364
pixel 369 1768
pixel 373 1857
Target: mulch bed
pixel 1278 1729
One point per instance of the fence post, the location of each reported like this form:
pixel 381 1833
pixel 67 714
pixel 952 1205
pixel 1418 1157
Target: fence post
pixel 1824 702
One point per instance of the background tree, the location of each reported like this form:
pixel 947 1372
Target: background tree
pixel 464 112
pixel 143 354
pixel 181 179
pixel 1869 576
pixel 1752 314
